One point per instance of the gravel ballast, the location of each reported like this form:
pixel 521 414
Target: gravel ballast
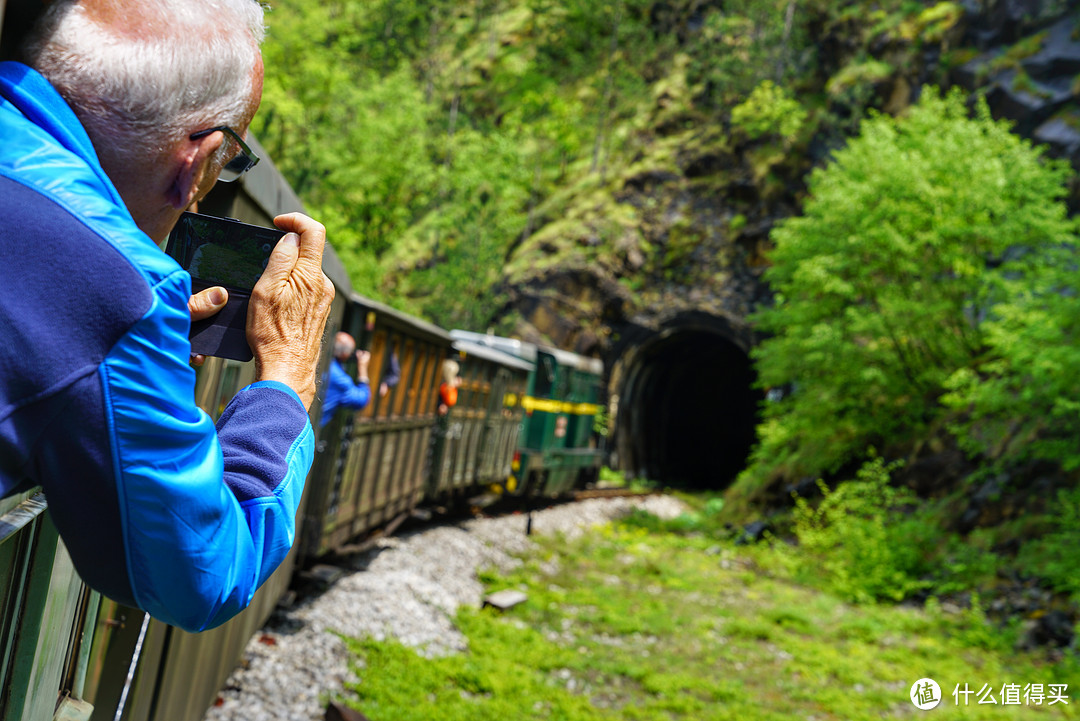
pixel 408 589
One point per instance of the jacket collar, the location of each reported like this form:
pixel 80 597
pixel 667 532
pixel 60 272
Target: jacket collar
pixel 39 102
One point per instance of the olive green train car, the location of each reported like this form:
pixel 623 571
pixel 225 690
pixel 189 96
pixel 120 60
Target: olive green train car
pixel 475 441
pixel 558 449
pixel 371 464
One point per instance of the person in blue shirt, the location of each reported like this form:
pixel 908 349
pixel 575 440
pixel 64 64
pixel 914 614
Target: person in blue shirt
pixel 121 117
pixel 391 373
pixel 341 390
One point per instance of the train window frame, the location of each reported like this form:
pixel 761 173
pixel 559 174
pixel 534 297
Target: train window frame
pixel 407 359
pixel 431 382
pixel 380 341
pixel 545 375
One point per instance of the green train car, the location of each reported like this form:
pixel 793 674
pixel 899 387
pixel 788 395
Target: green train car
pixel 558 448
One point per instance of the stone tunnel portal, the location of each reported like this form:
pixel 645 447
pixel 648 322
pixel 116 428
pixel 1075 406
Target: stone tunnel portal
pixel 687 409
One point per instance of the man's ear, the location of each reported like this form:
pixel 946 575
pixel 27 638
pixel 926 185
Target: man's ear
pixel 193 160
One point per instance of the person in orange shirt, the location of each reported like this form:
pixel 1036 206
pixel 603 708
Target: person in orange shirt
pixel 449 387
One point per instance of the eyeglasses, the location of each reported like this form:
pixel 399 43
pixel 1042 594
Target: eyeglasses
pixel 244 161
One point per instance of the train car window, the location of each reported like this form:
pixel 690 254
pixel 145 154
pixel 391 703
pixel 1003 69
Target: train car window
pixel 245 375
pixel 408 363
pixel 476 386
pixel 207 382
pixel 575 386
pixel 431 382
pixel 562 383
pixel 545 375
pixel 377 406
pixel 488 371
pixel 227 388
pixel 464 394
pixel 423 357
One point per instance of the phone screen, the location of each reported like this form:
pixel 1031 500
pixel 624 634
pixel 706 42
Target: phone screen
pixel 219 251
pixel 222 251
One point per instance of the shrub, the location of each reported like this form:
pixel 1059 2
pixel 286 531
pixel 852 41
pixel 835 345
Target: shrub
pixel 911 241
pixel 769 110
pixel 859 545
pixel 1053 555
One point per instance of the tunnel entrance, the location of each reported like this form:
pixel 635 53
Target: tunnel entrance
pixel 687 409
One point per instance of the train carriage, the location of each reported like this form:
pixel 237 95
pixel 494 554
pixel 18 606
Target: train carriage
pixel 476 440
pixel 371 467
pixel 558 449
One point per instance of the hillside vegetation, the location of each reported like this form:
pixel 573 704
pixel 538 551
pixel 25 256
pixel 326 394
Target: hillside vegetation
pixel 906 263
pixel 455 149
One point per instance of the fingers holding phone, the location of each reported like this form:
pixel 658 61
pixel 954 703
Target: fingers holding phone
pixel 203 305
pixel 289 306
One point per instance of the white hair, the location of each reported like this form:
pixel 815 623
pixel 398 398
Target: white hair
pixel 344 345
pixel 140 74
pixel 450 370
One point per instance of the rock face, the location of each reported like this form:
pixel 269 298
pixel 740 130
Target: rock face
pixel 678 234
pixel 1032 79
pixel 686 229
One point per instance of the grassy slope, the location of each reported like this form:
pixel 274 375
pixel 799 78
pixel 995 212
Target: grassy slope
pixel 632 623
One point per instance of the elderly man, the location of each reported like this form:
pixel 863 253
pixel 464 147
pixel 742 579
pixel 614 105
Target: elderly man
pixel 126 113
pixel 341 391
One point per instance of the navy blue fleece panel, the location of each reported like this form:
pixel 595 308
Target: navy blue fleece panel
pixel 78 483
pixel 66 298
pixel 255 442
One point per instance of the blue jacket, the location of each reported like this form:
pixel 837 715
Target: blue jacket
pixel 342 391
pixel 158 508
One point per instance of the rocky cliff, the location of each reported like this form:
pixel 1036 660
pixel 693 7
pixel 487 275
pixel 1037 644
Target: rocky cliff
pixel 685 230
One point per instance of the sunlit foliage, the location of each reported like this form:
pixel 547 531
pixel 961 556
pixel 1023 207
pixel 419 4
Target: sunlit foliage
pixel 928 255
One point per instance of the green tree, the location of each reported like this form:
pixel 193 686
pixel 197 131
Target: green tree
pixel 483 212
pixel 1021 400
pixel 911 240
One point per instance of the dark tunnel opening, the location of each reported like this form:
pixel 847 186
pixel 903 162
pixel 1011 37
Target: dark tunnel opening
pixel 688 411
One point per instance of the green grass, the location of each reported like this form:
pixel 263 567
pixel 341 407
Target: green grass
pixel 644 623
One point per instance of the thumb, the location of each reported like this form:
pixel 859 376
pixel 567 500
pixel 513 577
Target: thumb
pixel 282 260
pixel 207 302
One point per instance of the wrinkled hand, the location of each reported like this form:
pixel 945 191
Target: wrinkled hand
pixel 289 306
pixel 202 305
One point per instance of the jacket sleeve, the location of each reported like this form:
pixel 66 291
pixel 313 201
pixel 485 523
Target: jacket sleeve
pixel 205 514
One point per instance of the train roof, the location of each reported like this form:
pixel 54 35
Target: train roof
pixel 528 351
pixel 266 186
pixel 401 318
pixel 492 354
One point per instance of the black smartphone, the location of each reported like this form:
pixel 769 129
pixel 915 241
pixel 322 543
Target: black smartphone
pixel 226 252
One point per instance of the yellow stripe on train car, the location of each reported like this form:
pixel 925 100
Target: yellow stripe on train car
pixel 545 405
